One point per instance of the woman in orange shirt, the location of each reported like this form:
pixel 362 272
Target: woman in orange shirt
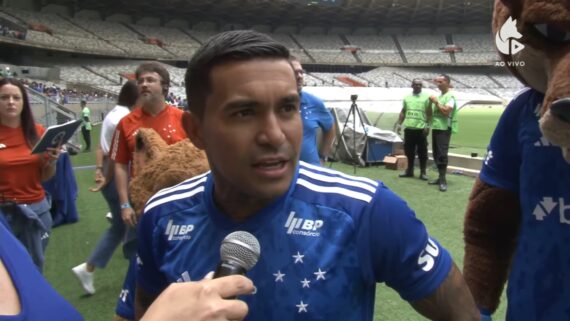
pixel 22 197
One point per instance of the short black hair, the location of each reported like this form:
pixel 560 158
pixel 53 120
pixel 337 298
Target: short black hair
pixel 446 77
pixel 237 45
pixel 129 94
pixel 153 66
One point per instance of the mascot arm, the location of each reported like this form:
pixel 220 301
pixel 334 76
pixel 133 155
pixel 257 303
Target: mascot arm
pixel 490 230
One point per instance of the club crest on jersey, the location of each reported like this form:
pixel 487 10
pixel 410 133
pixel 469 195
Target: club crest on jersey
pixel 178 232
pixel 300 226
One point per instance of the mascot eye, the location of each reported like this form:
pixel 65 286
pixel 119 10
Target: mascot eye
pixel 552 33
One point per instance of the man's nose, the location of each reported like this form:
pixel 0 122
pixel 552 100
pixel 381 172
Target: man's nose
pixel 270 132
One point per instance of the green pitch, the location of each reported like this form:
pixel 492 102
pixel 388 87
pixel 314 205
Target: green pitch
pixel 476 125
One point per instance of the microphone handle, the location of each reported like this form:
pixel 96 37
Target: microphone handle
pixel 228 268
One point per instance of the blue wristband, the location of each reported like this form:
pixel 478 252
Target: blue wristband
pixel 485 315
pixel 125 205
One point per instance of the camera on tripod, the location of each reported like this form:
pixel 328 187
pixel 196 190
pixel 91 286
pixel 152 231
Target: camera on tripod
pixel 353 97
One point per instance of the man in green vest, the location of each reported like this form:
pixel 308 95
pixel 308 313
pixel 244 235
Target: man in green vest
pixel 444 123
pixel 86 127
pixel 416 116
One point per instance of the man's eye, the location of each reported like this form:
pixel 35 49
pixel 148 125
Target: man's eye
pixel 243 113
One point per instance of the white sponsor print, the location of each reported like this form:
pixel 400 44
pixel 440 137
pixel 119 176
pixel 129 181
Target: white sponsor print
pixel 547 205
pixel 300 226
pixel 124 295
pixel 178 232
pixel 427 257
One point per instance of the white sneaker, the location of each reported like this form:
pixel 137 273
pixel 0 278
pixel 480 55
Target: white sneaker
pixel 109 217
pixel 85 277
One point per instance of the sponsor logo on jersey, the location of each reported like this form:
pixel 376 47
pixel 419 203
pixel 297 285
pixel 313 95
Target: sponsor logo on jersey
pixel 124 295
pixel 543 142
pixel 184 277
pixel 546 207
pixel 177 232
pixel 300 226
pixel 426 260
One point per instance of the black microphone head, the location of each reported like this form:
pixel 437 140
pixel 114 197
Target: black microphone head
pixel 242 248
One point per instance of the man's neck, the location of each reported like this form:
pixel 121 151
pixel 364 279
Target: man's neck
pixel 444 91
pixel 154 108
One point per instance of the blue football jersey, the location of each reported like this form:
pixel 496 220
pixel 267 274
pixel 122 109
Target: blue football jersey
pixel 315 116
pixel 324 246
pixel 521 160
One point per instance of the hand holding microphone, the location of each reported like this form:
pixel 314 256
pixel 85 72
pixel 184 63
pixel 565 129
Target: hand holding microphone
pixel 208 299
pixel 204 300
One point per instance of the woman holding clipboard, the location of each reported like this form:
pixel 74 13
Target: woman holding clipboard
pixel 22 197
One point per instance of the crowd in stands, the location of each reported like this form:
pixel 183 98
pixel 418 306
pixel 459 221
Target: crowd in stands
pixel 6 31
pixel 63 95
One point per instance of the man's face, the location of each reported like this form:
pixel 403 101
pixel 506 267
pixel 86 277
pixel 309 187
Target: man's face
pixel 441 83
pixel 251 129
pixel 150 87
pixel 299 74
pixel 417 87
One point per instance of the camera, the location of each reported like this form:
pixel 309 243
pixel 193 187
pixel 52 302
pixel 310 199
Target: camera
pixel 353 97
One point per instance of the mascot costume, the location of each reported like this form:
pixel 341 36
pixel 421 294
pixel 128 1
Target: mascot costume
pixel 517 225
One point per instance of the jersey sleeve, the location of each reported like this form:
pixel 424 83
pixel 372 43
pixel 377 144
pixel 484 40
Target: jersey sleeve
pixel 119 146
pixel 148 274
pixel 402 254
pixel 325 118
pixel 501 164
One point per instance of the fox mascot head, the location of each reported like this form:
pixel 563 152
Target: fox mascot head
pixel 533 38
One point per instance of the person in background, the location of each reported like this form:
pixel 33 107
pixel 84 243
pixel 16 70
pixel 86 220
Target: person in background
pixel 315 116
pixel 104 178
pixel 443 125
pixel 22 196
pixel 416 117
pixel 153 82
pixel 86 127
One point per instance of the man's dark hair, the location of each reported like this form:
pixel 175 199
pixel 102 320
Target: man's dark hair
pixel 129 94
pixel 159 69
pixel 446 77
pixel 238 45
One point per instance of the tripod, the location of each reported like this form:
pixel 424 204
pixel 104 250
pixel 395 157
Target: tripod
pixel 356 157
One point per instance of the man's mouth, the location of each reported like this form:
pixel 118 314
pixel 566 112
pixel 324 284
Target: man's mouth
pixel 270 164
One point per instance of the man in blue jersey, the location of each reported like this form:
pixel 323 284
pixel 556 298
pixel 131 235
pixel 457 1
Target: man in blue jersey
pixel 315 116
pixel 518 222
pixel 326 238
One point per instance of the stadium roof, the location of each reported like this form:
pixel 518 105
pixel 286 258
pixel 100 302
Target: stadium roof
pixel 324 13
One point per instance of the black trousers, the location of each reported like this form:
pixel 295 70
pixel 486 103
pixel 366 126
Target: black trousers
pixel 415 139
pixel 440 146
pixel 86 137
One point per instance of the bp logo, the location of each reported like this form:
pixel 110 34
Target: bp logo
pixel 506 38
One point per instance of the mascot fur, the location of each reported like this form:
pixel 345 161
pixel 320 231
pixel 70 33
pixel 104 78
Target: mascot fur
pixel 160 165
pixel 517 225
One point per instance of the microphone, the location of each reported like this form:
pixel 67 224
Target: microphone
pixel 239 252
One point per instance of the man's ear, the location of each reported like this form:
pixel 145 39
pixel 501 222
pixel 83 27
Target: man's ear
pixel 192 127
